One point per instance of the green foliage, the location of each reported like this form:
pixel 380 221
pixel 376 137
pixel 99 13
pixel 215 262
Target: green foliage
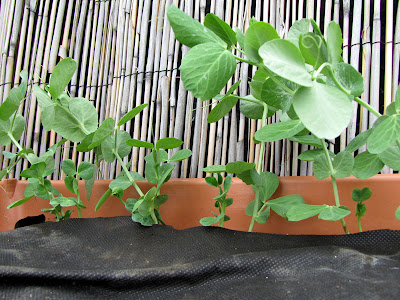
pixel 360 196
pixel 222 202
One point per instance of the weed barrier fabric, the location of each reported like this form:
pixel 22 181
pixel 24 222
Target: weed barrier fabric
pixel 114 258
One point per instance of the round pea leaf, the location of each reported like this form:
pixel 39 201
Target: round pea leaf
pixel 206 69
pixel 256 35
pixel 284 59
pixel 323 109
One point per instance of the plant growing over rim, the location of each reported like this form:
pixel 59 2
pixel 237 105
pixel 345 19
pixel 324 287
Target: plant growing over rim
pixel 76 120
pixel 303 79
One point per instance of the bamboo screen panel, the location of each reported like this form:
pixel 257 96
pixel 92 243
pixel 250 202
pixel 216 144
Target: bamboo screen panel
pixel 127 55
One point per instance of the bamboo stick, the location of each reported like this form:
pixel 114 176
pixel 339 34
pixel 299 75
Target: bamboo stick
pixel 396 54
pixel 354 61
pixel 366 69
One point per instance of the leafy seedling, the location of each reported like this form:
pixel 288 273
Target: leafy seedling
pixel 360 196
pixel 221 201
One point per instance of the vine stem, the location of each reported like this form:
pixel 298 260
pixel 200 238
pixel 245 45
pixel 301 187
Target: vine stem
pixel 131 180
pixel 334 185
pixel 259 168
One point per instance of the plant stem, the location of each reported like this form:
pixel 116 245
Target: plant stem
pixel 262 147
pixel 255 211
pixel 334 184
pixel 248 99
pixel 367 106
pixel 15 142
pixel 277 81
pixel 238 49
pixel 259 168
pixel 359 224
pixel 245 60
pixel 131 180
pixel 320 69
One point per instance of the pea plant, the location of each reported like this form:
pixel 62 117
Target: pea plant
pixel 158 169
pixel 76 120
pixel 73 118
pixel 304 80
pixel 360 196
pixel 221 201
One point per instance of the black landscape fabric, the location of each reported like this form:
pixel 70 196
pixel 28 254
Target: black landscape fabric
pixel 114 258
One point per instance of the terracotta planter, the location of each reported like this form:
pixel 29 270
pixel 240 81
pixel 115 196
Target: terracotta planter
pixel 192 199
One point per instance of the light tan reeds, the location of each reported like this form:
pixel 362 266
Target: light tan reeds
pixel 127 56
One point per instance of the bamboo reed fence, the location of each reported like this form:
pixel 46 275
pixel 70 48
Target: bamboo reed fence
pixel 127 55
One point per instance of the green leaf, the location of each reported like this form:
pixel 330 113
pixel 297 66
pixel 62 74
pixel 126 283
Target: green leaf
pixel 313 49
pixel 251 110
pixel 138 143
pixel 311 140
pixel 263 216
pixel 321 167
pixel 215 169
pixel 333 213
pixel 240 37
pixel 310 155
pixel 367 165
pixel 16 131
pixel 211 181
pixel 227 183
pixel 257 35
pixel 358 141
pixel 284 59
pixel 165 173
pixel 73 123
pixel 343 164
pixel 14 98
pixel 206 69
pixel 221 109
pixel 84 145
pixel 275 96
pixel 104 131
pixel 86 170
pixel 208 221
pixel 278 131
pixel 391 158
pixel 297 29
pixel 89 186
pixel 109 146
pixel 62 201
pixel 220 28
pixel 19 202
pixel 334 42
pixel 160 200
pixel 361 195
pixel 123 182
pixel 103 199
pixel 283 204
pixel 384 135
pixel 323 109
pixel 239 167
pixel 349 78
pixel 130 115
pixel 304 211
pixel 61 76
pixel 361 209
pixel 68 167
pixel 35 171
pixel 168 143
pixel 181 155
pixel 189 31
pixel 397 100
pixel 270 184
pixel 69 183
pixel 250 208
pixel 397 213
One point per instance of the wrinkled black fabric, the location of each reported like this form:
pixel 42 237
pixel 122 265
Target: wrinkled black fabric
pixel 114 258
